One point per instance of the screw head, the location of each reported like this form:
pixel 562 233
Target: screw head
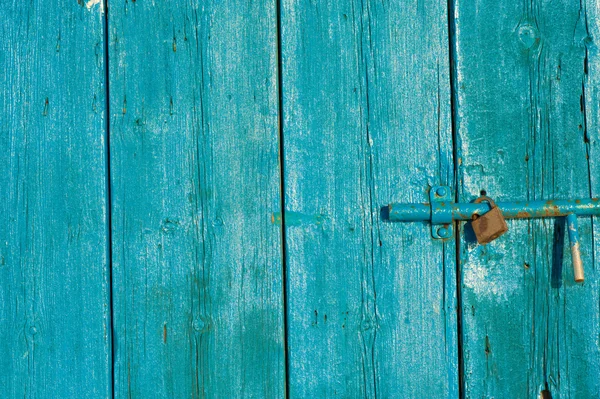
pixel 443 232
pixel 441 191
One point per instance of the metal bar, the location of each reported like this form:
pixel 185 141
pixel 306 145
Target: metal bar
pixel 574 244
pixel 510 210
pixel 410 212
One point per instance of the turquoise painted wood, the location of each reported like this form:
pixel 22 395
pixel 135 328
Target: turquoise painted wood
pixel 523 75
pixel 366 121
pixel 197 266
pixel 54 287
pixel 218 113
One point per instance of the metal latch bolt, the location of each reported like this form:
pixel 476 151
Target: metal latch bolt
pixel 442 211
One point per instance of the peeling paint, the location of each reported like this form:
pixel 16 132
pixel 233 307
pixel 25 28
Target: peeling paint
pixel 486 281
pixel 92 3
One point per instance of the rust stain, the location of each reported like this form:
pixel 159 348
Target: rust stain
pixel 165 333
pixel 523 215
pixel 467 216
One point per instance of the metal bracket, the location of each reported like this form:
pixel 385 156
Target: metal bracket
pixel 440 197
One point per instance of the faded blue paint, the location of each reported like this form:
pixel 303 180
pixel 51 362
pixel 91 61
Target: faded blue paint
pixel 572 229
pixel 364 320
pixel 575 247
pixel 527 94
pixel 55 328
pixel 197 265
pixel 199 96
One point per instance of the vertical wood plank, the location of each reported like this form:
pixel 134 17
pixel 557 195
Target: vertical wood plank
pixel 587 36
pixel 195 179
pixel 54 292
pixel 522 74
pixel 366 105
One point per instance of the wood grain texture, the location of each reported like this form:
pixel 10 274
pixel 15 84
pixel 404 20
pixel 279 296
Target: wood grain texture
pixel 366 105
pixel 522 77
pixel 588 34
pixel 197 267
pixel 54 292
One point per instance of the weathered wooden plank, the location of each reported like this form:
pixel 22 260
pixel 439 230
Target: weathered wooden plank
pixel 589 315
pixel 366 105
pixel 528 327
pixel 54 292
pixel 195 178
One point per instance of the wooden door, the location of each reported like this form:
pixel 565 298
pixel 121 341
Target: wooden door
pixel 194 198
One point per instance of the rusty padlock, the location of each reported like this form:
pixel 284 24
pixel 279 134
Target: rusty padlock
pixel 490 225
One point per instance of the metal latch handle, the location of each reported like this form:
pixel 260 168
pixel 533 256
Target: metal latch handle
pixel 574 244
